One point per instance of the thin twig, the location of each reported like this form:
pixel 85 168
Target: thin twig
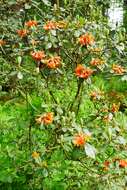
pixel 29 137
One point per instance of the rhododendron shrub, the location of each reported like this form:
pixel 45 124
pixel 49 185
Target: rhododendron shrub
pixel 63 100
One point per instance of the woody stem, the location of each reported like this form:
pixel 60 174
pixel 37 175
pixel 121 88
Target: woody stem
pixel 80 99
pixel 80 82
pixel 29 137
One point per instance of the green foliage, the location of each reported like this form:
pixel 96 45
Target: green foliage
pixel 82 142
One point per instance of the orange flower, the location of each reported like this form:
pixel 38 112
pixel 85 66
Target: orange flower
pixel 22 33
pixel 86 39
pixel 96 62
pixel 53 62
pixel 106 165
pixel 2 42
pixel 96 95
pixel 34 42
pixel 118 69
pixel 108 118
pixel 50 25
pixel 38 55
pixel 35 155
pixel 122 163
pixel 31 23
pixel 83 72
pixel 79 139
pixel 115 108
pixel 45 119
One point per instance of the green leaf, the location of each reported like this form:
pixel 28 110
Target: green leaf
pixel 77 33
pixel 27 6
pixel 53 32
pixel 90 150
pixel 46 2
pixel 20 75
pixel 124 78
pixel 121 140
pixel 49 45
pixel 19 59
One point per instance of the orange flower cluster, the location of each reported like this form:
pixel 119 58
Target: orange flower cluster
pixel 115 108
pixel 108 118
pixel 86 39
pixel 118 69
pixel 22 33
pixel 31 23
pixel 38 55
pixel 83 72
pixel 52 25
pixel 96 95
pixel 34 42
pixel 96 62
pixel 2 42
pixel 122 163
pixel 53 62
pixel 80 139
pixel 35 155
pixel 45 119
pixel 106 165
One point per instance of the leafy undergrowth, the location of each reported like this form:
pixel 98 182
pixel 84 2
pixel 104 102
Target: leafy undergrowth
pixel 55 163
